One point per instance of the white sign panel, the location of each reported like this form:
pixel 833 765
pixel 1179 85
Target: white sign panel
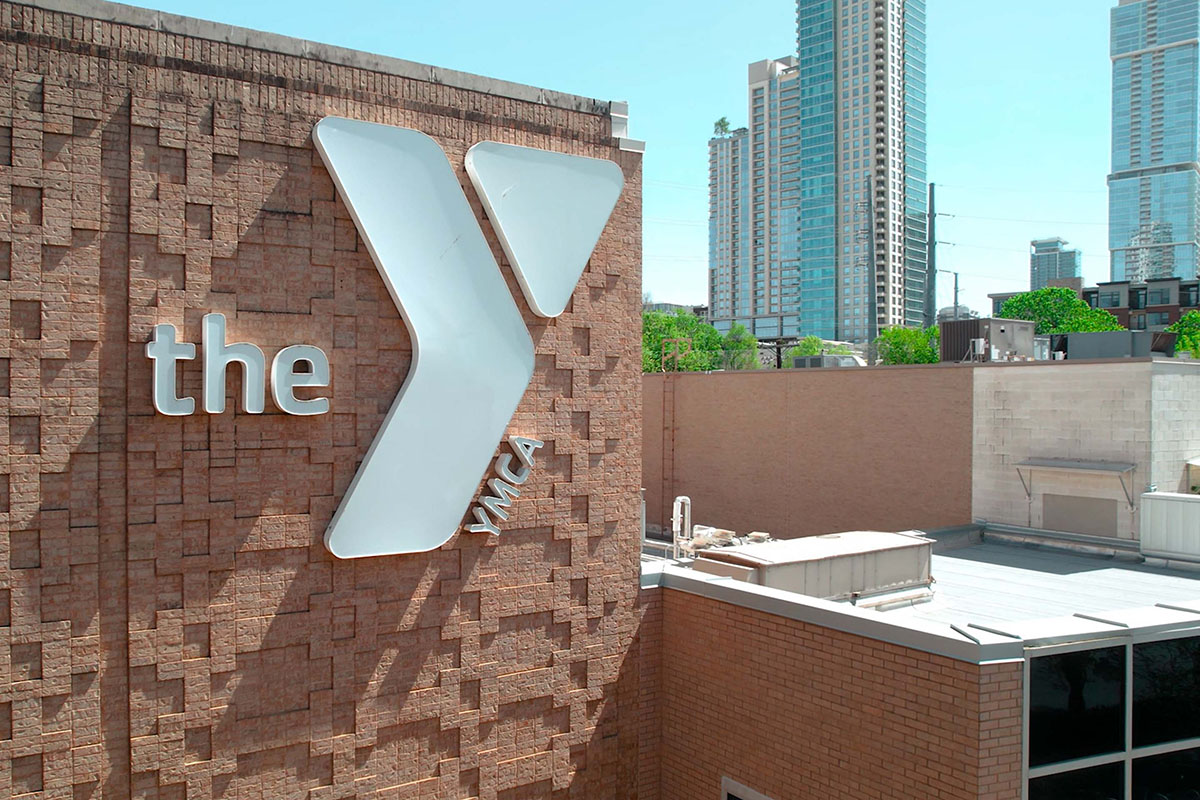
pixel 472 355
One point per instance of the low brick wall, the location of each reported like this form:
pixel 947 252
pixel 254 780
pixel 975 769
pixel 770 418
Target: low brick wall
pixel 810 451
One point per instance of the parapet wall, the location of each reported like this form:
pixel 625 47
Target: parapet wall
pixel 810 451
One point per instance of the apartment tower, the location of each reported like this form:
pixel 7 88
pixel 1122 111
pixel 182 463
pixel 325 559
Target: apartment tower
pixel 1049 260
pixel 1154 188
pixel 818 207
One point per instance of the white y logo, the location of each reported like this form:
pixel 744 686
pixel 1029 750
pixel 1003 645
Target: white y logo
pixel 472 355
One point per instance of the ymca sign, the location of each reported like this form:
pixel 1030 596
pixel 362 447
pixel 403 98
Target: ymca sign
pixel 548 210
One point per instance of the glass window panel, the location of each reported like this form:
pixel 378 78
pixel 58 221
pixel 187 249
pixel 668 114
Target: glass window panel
pixel 1166 691
pixel 1077 705
pixel 1105 782
pixel 1171 776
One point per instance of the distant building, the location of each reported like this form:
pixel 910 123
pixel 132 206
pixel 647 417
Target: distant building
pixel 948 313
pixel 1075 284
pixel 1149 306
pixel 671 308
pixel 1145 306
pixel 818 210
pixel 1154 187
pixel 1050 260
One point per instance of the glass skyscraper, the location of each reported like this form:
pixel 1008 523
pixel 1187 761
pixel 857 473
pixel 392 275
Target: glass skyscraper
pixel 1154 188
pixel 1049 260
pixel 817 219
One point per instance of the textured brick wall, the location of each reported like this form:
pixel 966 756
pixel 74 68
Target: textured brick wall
pixel 803 452
pixel 172 625
pixel 650 677
pixel 800 712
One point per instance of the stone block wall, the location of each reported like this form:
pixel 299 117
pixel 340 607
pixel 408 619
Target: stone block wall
pixel 1097 411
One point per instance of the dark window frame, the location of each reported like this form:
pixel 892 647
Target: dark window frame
pixel 1185 750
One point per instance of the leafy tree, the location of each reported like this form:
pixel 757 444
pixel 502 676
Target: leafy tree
pixel 1057 309
pixel 1187 333
pixel 740 348
pixel 706 350
pixel 815 346
pixel 899 345
pixel 721 127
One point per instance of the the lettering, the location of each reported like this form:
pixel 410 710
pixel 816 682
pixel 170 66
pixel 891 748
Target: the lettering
pixel 164 351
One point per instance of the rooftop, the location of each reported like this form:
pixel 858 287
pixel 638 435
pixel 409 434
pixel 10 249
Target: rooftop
pixel 991 600
pixel 992 584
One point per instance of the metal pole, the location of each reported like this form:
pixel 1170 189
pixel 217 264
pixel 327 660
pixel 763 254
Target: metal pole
pixel 873 320
pixel 931 264
pixel 955 296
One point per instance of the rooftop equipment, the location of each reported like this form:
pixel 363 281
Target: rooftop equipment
pixel 870 568
pixel 988 339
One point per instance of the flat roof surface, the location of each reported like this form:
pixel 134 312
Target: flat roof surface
pixel 992 583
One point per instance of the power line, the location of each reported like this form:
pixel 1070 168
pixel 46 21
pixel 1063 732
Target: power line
pixel 1017 219
pixel 1020 189
pixel 674 185
pixel 1012 250
pixel 668 221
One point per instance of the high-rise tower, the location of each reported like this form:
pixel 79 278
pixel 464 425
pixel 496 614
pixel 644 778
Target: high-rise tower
pixel 1154 188
pixel 1049 260
pixel 825 190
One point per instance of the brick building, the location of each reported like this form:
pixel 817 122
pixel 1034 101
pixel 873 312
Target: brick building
pixel 1141 306
pixel 172 625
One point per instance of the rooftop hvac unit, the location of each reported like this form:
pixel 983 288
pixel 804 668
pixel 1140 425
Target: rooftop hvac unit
pixel 988 339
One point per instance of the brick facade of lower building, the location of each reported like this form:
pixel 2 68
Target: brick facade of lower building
pixel 795 710
pixel 173 626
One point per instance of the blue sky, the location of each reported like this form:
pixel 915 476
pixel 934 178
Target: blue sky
pixel 1019 99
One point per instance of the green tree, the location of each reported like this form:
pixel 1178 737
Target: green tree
pixel 705 351
pixel 1057 309
pixel 721 127
pixel 815 346
pixel 899 345
pixel 1187 333
pixel 740 348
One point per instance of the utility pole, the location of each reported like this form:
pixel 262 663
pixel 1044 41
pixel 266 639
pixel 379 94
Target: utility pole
pixel 931 264
pixel 955 274
pixel 873 320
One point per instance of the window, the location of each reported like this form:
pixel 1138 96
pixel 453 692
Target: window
pixel 1109 300
pixel 1137 322
pixel 1100 782
pixel 1158 318
pixel 1158 297
pixel 1081 703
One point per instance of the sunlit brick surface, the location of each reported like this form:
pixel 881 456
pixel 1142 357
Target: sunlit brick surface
pixel 173 625
pixel 795 710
